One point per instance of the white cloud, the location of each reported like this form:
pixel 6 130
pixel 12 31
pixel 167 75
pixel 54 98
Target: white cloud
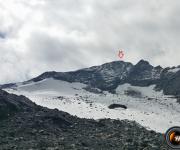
pixel 62 35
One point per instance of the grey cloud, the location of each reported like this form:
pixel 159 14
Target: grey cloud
pixel 2 35
pixel 52 51
pixel 65 35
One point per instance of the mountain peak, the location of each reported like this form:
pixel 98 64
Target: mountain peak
pixel 144 62
pixel 158 67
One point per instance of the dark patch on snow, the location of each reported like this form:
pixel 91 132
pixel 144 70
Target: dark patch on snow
pixel 113 106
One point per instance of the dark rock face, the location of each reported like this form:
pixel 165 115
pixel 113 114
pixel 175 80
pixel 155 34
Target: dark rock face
pixel 113 106
pixel 144 74
pixel 35 127
pixel 170 82
pixel 11 85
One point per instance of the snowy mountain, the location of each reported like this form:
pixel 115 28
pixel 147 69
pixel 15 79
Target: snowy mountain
pixel 108 76
pixel 149 93
pixel 24 125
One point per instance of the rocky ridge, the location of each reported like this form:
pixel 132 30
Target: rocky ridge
pixel 109 75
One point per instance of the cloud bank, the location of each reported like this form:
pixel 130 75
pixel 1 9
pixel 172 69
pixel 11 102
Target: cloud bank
pixel 63 35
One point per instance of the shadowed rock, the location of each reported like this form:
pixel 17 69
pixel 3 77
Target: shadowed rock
pixel 113 106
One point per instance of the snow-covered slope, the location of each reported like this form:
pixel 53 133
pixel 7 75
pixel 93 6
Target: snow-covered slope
pixel 51 86
pixel 174 70
pixel 148 107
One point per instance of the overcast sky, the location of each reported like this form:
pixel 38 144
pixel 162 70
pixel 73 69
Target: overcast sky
pixel 62 35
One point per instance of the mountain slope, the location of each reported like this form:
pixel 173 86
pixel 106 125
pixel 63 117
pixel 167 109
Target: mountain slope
pixel 149 93
pixel 148 107
pixel 35 127
pixel 9 104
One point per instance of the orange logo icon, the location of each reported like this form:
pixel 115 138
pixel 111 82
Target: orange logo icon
pixel 173 137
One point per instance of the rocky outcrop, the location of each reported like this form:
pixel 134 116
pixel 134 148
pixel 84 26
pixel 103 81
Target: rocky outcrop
pixel 11 104
pixel 113 106
pixel 170 81
pixel 144 74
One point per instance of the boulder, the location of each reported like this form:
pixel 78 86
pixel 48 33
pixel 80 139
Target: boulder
pixel 113 106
